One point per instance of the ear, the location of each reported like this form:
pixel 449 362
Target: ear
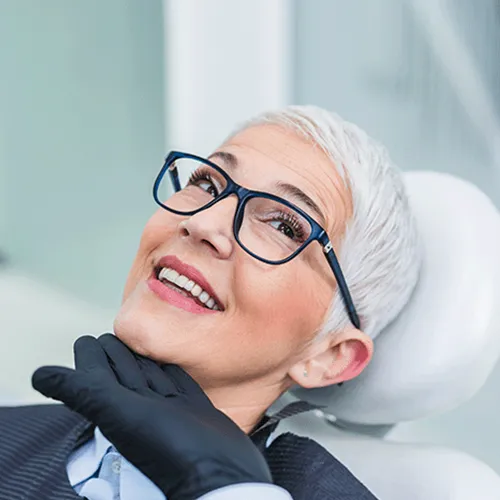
pixel 335 359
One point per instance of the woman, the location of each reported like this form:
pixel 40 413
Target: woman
pixel 242 290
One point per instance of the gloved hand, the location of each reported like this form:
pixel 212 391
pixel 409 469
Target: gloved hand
pixel 158 418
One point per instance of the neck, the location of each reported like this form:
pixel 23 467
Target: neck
pixel 245 404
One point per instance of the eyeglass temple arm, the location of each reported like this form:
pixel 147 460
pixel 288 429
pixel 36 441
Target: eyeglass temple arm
pixel 174 175
pixel 344 290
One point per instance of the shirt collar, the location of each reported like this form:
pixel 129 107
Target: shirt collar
pixel 85 461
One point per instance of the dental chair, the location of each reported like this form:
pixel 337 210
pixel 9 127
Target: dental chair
pixel 435 356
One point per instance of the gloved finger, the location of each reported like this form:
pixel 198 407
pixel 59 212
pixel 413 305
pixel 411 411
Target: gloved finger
pixel 87 395
pixel 123 363
pixel 55 382
pixel 183 381
pixel 157 379
pixel 89 355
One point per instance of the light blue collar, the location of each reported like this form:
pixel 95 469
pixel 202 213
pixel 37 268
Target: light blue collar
pixel 94 450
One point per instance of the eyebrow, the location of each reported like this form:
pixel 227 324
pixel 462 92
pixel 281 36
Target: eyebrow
pixel 284 187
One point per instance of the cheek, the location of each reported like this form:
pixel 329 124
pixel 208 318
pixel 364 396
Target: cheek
pixel 158 230
pixel 284 305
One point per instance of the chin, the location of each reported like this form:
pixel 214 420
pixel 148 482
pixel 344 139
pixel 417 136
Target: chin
pixel 134 323
pixel 134 330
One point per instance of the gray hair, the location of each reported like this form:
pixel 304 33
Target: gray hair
pixel 380 253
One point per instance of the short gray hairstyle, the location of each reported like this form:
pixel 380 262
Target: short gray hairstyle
pixel 380 254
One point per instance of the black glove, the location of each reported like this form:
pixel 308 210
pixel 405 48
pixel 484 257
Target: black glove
pixel 158 418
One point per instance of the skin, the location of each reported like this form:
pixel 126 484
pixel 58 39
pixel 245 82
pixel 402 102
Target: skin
pixel 264 341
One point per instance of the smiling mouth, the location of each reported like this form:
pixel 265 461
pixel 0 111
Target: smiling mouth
pixel 186 287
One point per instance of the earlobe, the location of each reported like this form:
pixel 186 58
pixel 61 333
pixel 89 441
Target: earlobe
pixel 303 375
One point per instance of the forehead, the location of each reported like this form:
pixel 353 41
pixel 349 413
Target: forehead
pixel 268 154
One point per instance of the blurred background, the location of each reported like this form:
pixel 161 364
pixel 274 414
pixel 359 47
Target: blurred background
pixel 93 93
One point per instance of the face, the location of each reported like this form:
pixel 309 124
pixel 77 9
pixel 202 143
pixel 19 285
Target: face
pixel 269 313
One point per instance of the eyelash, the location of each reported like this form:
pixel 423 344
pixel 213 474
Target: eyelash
pixel 292 221
pixel 199 174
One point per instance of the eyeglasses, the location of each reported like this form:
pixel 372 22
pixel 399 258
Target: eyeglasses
pixel 267 227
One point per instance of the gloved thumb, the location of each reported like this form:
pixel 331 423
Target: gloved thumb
pixel 56 382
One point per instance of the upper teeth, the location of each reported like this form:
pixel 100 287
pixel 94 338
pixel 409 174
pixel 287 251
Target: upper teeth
pixel 189 285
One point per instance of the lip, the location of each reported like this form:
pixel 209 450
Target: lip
pixel 191 273
pixel 175 298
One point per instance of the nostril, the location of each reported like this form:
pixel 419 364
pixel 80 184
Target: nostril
pixel 184 229
pixel 211 245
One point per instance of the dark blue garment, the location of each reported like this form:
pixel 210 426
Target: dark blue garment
pixel 36 441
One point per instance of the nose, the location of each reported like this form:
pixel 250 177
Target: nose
pixel 212 229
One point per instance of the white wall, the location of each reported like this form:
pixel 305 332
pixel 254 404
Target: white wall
pixel 82 137
pixel 3 194
pixel 373 63
pixel 226 60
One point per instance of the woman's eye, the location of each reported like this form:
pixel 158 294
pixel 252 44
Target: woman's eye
pixel 284 228
pixel 290 228
pixel 205 182
pixel 209 187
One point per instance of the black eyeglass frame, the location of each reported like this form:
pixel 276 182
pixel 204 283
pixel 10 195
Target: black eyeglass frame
pixel 244 195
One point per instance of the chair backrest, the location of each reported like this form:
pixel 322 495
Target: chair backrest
pixel 396 471
pixel 445 343
pixel 434 356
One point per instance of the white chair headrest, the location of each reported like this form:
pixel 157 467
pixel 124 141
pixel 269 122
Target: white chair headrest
pixel 444 344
